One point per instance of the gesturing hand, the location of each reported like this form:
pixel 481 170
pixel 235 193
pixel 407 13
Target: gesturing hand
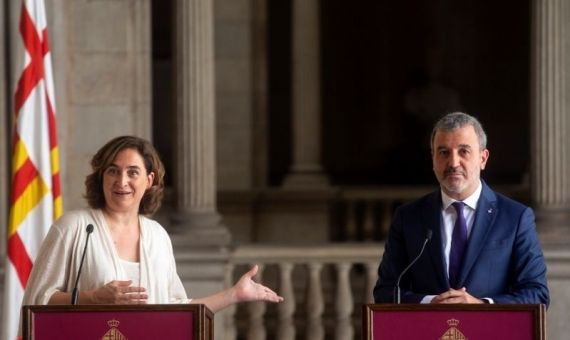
pixel 248 290
pixel 119 292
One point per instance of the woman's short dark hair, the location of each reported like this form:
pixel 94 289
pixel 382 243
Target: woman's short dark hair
pixel 152 197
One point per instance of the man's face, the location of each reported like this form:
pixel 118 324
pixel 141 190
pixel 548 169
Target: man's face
pixel 458 161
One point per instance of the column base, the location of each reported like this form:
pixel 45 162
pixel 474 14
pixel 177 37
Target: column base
pixel 553 225
pixel 199 229
pixel 306 180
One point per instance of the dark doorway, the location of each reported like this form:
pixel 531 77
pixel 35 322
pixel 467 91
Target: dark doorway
pixel 391 68
pixel 163 99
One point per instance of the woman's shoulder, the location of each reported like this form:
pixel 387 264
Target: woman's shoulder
pixel 74 220
pixel 153 227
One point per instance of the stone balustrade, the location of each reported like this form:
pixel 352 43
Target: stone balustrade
pixel 325 286
pixel 321 286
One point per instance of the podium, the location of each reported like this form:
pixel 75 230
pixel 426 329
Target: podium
pixel 451 322
pixel 184 321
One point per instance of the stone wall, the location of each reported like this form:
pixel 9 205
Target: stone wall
pixel 102 72
pixel 240 92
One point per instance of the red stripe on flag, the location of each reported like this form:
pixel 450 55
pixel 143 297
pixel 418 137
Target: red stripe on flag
pixel 45 44
pixel 51 123
pixel 22 178
pixel 55 181
pixel 34 72
pixel 56 189
pixel 20 258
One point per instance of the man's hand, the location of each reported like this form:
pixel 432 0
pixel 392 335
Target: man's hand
pixel 456 296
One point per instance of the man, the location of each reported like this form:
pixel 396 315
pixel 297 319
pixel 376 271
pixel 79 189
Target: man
pixel 484 247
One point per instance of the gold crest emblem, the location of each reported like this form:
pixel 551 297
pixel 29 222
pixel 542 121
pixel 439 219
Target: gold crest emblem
pixel 453 333
pixel 113 333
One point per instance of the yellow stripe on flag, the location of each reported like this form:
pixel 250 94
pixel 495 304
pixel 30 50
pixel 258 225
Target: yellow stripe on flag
pixel 33 193
pixel 54 160
pixel 57 207
pixel 20 156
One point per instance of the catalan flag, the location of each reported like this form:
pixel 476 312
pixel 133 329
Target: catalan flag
pixel 36 195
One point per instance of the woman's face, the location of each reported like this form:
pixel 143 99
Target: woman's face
pixel 125 182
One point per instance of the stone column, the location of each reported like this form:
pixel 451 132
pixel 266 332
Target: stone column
pixel 200 240
pixel 306 170
pixel 549 122
pixel 195 124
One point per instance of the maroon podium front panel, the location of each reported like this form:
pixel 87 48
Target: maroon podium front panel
pixel 117 322
pixel 113 325
pixel 396 322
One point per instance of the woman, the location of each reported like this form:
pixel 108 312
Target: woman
pixel 129 257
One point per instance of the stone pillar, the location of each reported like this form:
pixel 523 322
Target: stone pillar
pixel 549 122
pixel 306 170
pixel 195 122
pixel 199 238
pixel 260 92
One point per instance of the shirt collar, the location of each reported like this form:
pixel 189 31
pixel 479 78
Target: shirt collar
pixel 470 201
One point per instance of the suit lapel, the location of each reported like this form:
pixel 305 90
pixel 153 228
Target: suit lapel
pixel 484 218
pixel 432 216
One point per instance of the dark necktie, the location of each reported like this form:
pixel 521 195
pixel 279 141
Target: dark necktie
pixel 458 245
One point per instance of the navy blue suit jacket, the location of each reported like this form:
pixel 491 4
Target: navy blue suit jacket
pixel 503 260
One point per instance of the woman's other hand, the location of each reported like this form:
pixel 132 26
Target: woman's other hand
pixel 248 290
pixel 119 292
pixel 244 290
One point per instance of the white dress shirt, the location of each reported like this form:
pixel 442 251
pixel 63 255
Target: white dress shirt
pixel 448 217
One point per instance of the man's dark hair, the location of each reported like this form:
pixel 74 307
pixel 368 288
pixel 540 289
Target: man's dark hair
pixel 456 120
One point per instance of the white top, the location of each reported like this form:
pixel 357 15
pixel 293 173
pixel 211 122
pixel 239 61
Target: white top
pixel 58 260
pixel 133 271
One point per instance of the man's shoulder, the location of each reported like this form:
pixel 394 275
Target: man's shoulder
pixel 503 200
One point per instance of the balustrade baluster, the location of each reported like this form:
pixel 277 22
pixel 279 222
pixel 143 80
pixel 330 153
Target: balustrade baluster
pixel 386 218
pixel 230 312
pixel 371 277
pixel 286 309
pixel 344 301
pixel 368 224
pixel 351 220
pixel 256 310
pixel 315 303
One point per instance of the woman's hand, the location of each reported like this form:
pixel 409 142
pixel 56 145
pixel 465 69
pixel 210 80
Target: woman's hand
pixel 248 290
pixel 119 292
pixel 114 292
pixel 244 290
